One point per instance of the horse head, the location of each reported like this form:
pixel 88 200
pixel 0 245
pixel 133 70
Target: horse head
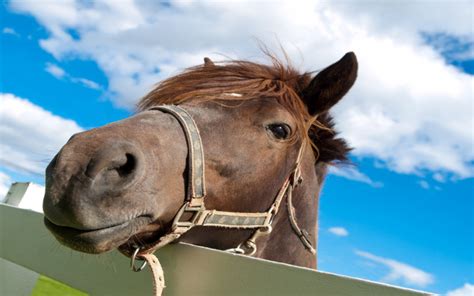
pixel 266 138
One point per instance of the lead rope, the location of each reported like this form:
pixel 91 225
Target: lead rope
pixel 156 270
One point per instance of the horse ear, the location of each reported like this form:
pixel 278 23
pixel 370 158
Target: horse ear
pixel 208 62
pixel 330 85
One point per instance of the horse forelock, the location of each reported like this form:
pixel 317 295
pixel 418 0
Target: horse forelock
pixel 239 80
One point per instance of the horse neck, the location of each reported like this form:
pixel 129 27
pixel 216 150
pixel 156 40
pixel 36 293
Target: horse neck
pixel 283 244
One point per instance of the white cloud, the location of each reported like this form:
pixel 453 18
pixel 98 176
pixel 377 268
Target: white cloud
pixel 5 182
pixel 352 173
pixel 339 231
pixel 461 49
pixel 59 73
pixel 408 109
pixel 86 82
pixel 30 135
pixel 10 31
pixel 399 271
pixel 453 17
pixel 55 70
pixel 466 290
pixel 439 177
pixel 424 184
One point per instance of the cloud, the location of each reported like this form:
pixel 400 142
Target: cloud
pixel 86 82
pixel 352 173
pixel 409 109
pixel 30 135
pixel 466 290
pixel 55 70
pixel 439 177
pixel 339 231
pixel 454 49
pixel 424 184
pixel 59 73
pixel 399 271
pixel 10 31
pixel 451 17
pixel 5 182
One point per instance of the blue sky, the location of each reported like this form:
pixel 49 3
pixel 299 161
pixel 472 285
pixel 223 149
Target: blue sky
pixel 404 215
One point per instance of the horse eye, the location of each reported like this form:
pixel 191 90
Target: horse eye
pixel 280 131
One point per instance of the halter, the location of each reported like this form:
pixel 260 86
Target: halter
pixel 194 213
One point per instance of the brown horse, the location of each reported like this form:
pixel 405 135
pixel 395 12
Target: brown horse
pixel 267 140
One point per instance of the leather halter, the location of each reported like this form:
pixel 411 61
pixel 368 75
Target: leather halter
pixel 194 213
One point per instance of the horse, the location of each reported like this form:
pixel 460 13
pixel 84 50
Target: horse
pixel 228 155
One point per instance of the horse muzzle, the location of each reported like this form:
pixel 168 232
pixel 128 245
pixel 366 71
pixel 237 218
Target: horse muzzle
pixel 86 205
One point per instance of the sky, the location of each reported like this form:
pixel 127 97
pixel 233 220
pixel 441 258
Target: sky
pixel 403 214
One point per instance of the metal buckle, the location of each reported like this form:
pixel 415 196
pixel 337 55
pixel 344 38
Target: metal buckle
pixel 196 213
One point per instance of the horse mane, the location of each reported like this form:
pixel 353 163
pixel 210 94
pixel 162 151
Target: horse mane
pixel 222 81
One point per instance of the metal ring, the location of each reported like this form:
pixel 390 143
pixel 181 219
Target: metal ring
pixel 132 261
pixel 266 229
pixel 252 246
pixel 237 250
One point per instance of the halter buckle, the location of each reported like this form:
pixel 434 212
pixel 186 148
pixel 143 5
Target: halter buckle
pixel 195 213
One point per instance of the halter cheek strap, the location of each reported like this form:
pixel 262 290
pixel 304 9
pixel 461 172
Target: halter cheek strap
pixel 194 213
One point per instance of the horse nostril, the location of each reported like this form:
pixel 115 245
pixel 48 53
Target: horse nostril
pixel 111 164
pixel 114 166
pixel 128 167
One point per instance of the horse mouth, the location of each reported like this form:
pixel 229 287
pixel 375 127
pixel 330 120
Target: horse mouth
pixel 141 240
pixel 126 236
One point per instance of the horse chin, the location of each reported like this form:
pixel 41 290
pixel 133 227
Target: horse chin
pixel 130 233
pixel 142 239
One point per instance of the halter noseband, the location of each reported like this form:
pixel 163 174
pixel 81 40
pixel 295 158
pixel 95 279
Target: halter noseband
pixel 194 213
